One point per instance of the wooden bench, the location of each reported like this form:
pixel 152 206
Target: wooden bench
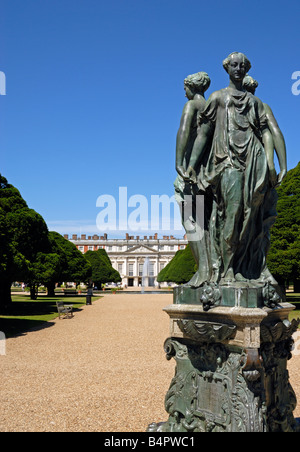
pixel 64 310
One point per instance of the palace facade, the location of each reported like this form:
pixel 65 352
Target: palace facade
pixel 138 259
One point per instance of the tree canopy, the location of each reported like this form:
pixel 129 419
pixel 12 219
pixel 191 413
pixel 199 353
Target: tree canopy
pixel 284 254
pixel 63 263
pixel 74 266
pixel 29 252
pixel 102 270
pixel 23 235
pixel 180 269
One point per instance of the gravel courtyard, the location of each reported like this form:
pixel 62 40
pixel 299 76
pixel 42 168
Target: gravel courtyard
pixel 103 370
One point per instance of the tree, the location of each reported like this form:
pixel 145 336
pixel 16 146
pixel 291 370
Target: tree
pixel 44 270
pixel 71 264
pixel 284 254
pixel 23 235
pixel 102 270
pixel 180 269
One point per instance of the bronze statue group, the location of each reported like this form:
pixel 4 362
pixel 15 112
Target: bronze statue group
pixel 225 151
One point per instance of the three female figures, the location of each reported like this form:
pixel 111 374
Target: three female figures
pixel 225 151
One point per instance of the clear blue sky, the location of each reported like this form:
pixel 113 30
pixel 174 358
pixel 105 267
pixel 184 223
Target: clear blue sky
pixel 95 91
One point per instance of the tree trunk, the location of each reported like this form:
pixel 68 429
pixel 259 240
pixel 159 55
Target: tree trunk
pixel 5 295
pixel 50 290
pixel 297 285
pixel 33 293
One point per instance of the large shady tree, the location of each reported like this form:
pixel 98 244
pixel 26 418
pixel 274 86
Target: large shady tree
pixel 102 270
pixel 71 264
pixel 23 235
pixel 180 269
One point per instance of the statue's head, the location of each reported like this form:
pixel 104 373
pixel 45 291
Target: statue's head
pixel 237 65
pixel 196 84
pixel 250 84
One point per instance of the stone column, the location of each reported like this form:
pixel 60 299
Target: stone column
pixel 231 362
pixel 136 272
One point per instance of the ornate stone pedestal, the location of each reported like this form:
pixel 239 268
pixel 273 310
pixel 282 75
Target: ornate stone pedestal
pixel 231 362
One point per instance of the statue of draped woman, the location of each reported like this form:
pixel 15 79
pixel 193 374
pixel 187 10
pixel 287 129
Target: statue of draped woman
pixel 232 164
pixel 186 193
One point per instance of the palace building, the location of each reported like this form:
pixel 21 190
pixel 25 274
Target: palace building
pixel 129 255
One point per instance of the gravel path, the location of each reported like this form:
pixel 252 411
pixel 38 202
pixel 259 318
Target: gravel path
pixel 104 370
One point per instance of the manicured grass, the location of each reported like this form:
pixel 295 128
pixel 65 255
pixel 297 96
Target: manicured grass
pixel 294 298
pixel 26 314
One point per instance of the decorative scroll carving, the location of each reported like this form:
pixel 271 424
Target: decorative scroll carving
pixel 211 295
pixel 275 351
pixel 209 392
pixel 223 388
pixel 278 331
pixel 206 331
pixel 270 296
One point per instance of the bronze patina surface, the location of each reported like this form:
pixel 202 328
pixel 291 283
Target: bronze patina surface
pixel 229 330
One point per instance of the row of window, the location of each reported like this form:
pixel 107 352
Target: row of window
pixel 121 248
pixel 140 269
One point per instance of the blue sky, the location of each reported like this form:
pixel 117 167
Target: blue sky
pixel 94 91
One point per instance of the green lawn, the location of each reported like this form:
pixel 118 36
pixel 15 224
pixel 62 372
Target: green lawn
pixel 26 314
pixel 294 298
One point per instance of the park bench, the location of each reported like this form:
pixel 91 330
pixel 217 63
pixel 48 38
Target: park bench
pixel 64 310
